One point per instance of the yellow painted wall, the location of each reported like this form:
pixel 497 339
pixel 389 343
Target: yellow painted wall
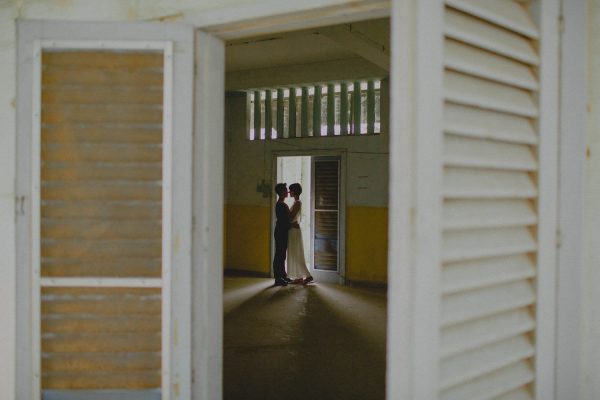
pixel 366 244
pixel 248 238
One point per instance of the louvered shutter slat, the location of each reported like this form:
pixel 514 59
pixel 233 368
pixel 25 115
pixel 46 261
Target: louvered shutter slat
pixel 479 243
pixel 466 366
pixel 474 334
pixel 468 214
pixel 466 90
pixel 471 183
pixel 507 14
pixel 463 152
pixel 495 384
pixel 478 62
pixel 519 394
pixel 465 275
pixel 474 122
pixel 478 303
pixel 470 30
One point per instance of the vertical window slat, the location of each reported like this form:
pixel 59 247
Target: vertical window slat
pixel 317 111
pixel 330 109
pixel 268 114
pixel 280 115
pixel 344 109
pixel 304 111
pixel 292 113
pixel 257 114
pixel 371 108
pixel 356 97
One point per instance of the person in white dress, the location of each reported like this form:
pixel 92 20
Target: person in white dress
pixel 296 263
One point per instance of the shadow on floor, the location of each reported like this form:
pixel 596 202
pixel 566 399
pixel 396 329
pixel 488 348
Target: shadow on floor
pixel 303 342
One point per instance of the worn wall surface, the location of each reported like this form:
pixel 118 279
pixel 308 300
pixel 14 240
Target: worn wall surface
pixel 248 213
pixel 591 272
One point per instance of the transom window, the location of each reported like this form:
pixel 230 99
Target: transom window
pixel 333 109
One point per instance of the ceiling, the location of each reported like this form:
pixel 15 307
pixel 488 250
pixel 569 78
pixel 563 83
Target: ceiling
pixel 365 39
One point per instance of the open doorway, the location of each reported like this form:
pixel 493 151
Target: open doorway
pixel 323 214
pixel 303 107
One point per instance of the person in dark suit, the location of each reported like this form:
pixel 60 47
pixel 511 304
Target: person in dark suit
pixel 282 226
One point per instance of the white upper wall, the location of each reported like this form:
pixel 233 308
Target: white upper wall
pixel 248 162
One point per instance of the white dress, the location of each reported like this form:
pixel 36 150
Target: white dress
pixel 296 264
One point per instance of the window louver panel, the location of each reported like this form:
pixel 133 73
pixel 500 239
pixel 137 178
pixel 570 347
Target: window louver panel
pixel 479 123
pixel 495 384
pixel 490 191
pixel 463 152
pixel 326 214
pixel 465 183
pixel 483 64
pixel 480 243
pixel 474 334
pixel 509 14
pixel 468 214
pixel 479 362
pixel 467 90
pixel 465 275
pixel 468 305
pixel 518 394
pixel 465 28
pixel 101 217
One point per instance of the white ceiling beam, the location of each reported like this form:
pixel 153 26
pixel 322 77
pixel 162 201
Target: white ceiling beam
pixel 326 71
pixel 358 43
pixel 270 16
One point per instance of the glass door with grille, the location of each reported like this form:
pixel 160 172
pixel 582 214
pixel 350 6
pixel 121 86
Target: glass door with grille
pixel 327 218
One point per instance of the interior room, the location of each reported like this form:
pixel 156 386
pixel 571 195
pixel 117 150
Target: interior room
pixel 310 107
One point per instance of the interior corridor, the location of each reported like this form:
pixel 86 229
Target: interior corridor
pixel 320 341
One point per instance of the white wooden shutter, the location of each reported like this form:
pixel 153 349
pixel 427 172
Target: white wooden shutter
pixel 490 201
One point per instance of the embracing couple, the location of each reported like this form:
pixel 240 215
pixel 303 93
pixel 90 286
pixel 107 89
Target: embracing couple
pixel 288 238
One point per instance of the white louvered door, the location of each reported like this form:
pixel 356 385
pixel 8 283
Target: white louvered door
pixel 490 201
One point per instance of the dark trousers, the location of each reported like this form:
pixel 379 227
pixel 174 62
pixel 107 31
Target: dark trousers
pixel 281 243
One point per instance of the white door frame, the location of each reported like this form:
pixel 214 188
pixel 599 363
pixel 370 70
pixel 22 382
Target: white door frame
pixel 571 156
